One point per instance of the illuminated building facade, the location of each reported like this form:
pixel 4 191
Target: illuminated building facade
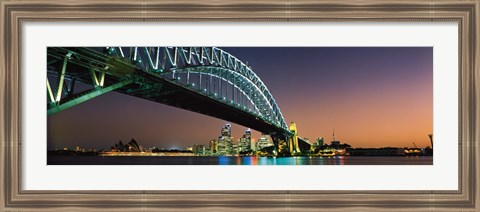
pixel 198 149
pixel 245 142
pixel 263 142
pixel 225 143
pixel 213 146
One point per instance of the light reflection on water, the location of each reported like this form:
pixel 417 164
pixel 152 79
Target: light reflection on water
pixel 233 160
pixel 336 160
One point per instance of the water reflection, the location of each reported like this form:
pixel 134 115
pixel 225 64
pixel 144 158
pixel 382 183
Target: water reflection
pixel 335 160
pixel 339 160
pixel 232 160
pixel 284 161
pixel 266 161
pixel 224 160
pixel 246 160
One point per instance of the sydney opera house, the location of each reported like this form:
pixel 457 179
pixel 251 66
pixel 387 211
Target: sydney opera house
pixel 132 146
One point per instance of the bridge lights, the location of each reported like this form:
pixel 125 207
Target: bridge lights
pixel 110 50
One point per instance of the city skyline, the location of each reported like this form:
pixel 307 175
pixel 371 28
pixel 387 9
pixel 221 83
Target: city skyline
pixel 371 96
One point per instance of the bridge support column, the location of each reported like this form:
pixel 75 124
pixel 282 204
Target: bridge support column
pixel 282 146
pixel 294 147
pixel 293 144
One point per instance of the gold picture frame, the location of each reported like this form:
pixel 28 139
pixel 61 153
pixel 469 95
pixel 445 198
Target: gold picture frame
pixel 15 12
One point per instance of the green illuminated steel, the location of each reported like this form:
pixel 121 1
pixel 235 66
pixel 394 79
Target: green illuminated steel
pixel 50 93
pixel 200 71
pixel 175 64
pixel 86 96
pixel 150 73
pixel 167 60
pixel 98 83
pixel 61 77
pixel 77 64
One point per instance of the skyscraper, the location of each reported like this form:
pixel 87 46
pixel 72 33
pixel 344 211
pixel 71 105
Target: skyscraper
pixel 245 142
pixel 227 130
pixel 225 143
pixel 248 137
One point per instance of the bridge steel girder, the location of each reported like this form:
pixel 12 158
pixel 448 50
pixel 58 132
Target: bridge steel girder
pixel 82 65
pixel 189 99
pixel 53 109
pixel 61 77
pixel 231 77
pixel 179 57
pixel 127 74
pixel 230 81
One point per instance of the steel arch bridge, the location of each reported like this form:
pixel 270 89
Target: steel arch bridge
pixel 206 80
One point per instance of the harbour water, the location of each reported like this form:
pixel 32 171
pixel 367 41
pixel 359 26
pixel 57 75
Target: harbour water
pixel 235 160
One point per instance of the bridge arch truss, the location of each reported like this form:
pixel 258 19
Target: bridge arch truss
pixel 209 71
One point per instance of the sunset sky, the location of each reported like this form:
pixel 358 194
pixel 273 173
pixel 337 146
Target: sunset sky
pixel 371 96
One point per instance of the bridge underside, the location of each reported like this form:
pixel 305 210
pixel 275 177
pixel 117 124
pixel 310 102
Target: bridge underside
pixel 124 78
pixel 169 93
pixel 107 74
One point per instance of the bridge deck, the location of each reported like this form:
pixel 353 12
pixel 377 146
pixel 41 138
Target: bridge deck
pixel 155 88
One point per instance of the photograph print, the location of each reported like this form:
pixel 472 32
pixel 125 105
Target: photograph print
pixel 149 105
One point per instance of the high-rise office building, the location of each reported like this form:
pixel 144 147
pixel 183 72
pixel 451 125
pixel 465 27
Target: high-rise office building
pixel 248 138
pixel 245 142
pixel 225 141
pixel 227 130
pixel 214 146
